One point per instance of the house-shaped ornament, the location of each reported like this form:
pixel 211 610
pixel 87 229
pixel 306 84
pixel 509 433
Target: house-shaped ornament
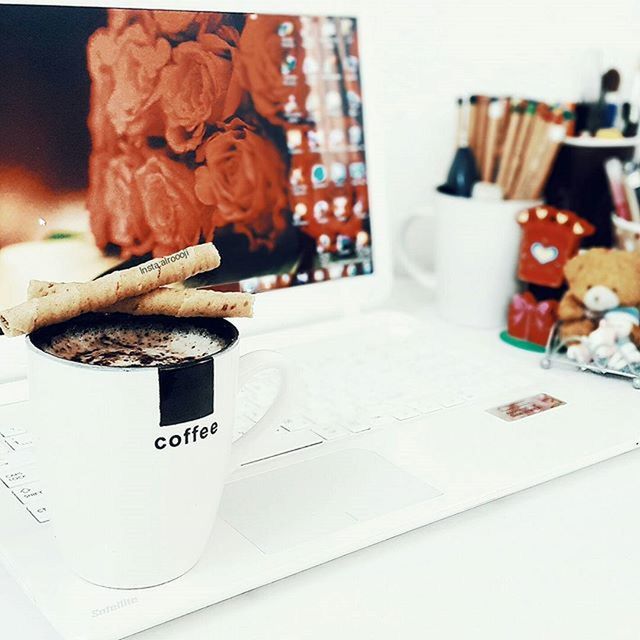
pixel 550 238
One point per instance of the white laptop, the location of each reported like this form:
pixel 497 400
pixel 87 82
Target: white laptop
pixel 399 420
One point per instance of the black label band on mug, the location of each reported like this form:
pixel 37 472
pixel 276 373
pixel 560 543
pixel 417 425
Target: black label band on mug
pixel 186 393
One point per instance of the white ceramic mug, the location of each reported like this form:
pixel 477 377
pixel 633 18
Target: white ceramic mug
pixel 476 253
pixel 134 460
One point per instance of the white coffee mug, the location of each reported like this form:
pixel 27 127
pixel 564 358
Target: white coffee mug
pixel 133 460
pixel 476 253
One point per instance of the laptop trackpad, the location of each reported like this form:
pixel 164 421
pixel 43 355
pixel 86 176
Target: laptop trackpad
pixel 292 505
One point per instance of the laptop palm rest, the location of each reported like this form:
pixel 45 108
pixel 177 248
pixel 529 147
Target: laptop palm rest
pixel 289 506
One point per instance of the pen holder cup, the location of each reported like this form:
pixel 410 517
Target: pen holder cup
pixel 476 245
pixel 578 182
pixel 626 234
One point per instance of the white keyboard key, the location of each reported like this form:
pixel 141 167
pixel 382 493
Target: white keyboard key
pixel 252 412
pixel 404 412
pixel 21 441
pixel 287 424
pixel 243 424
pixel 279 442
pixel 470 395
pixel 378 421
pixel 428 405
pixel 29 494
pixel 16 459
pixel 358 426
pixel 330 431
pixel 452 400
pixel 10 430
pixel 5 460
pixel 13 477
pixel 39 513
pixel 380 410
pixel 4 447
pixel 298 424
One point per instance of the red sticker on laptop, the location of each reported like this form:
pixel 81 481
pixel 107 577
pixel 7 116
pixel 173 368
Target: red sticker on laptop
pixel 526 407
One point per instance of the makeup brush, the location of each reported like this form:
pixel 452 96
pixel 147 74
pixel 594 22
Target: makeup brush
pixel 462 114
pixel 473 122
pixel 630 117
pixel 631 109
pixel 463 173
pixel 591 66
pixel 609 83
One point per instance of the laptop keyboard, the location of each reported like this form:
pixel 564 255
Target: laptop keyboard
pixel 347 386
pixel 351 385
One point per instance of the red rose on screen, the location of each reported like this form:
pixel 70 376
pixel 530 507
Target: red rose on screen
pixel 193 90
pixel 263 230
pixel 100 59
pixel 120 19
pixel 244 181
pixel 116 212
pixel 137 59
pixel 259 67
pixel 169 205
pixel 173 23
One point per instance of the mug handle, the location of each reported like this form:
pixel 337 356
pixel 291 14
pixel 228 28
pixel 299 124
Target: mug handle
pixel 423 277
pixel 250 365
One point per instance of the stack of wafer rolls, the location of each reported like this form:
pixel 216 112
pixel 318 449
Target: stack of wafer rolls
pixel 138 290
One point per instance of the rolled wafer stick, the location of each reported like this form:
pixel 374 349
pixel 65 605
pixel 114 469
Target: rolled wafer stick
pixel 104 292
pixel 165 301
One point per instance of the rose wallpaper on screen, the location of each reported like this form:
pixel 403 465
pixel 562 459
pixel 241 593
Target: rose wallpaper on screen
pixel 131 133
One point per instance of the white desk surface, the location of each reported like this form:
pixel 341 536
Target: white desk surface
pixel 558 561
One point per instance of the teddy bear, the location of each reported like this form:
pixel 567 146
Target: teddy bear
pixel 599 280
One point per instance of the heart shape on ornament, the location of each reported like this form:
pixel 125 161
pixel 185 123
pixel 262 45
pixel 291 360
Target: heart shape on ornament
pixel 544 255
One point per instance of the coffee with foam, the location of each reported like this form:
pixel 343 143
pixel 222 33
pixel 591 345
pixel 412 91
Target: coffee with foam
pixel 124 341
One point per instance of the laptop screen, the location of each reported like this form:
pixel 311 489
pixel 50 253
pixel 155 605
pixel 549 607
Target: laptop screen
pixel 126 134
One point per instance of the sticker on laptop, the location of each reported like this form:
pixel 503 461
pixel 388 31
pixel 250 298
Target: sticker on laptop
pixel 526 407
